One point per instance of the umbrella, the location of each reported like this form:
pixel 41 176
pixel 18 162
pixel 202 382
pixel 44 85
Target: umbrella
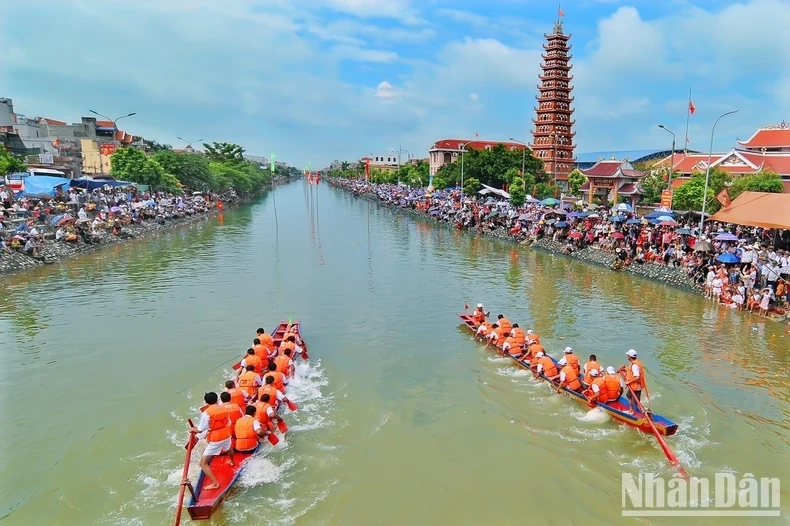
pixel 550 202
pixel 56 219
pixel 703 246
pixel 115 209
pixel 633 222
pixel 664 218
pixel 618 235
pixel 561 224
pixel 667 222
pixel 655 215
pixel 585 214
pixel 531 200
pixel 594 216
pixel 560 212
pixel 684 232
pixel 573 214
pixel 726 237
pixel 728 258
pixel 65 220
pixel 84 220
pixel 616 219
pixel 575 235
pixel 523 217
pixel 592 206
pixel 623 207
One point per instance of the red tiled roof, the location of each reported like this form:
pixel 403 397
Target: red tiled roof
pixel 629 188
pixel 53 122
pixel 778 137
pixel 455 144
pixel 603 168
pixel 104 124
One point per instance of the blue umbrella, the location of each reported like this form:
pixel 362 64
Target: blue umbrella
pixel 728 258
pixel 683 231
pixel 55 219
pixel 665 218
pixel 623 207
pixel 584 214
pixel 573 214
pixel 654 215
pixel 616 219
pixel 633 222
pixel 561 224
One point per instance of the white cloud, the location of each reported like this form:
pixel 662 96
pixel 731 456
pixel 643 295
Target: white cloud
pixel 474 96
pixel 364 55
pixel 385 90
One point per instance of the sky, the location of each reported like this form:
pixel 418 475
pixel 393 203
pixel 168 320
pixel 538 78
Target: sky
pixel 318 80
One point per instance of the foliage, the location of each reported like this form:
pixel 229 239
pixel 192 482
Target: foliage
pixel 653 183
pixel 416 174
pixel 491 167
pixel 765 181
pixel 688 196
pixel 131 164
pixel 224 152
pixel 191 169
pixel 9 163
pixel 471 186
pixel 575 181
pixel 154 146
pixel 544 190
pixel 517 193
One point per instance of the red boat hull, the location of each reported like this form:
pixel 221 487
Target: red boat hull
pixel 205 502
pixel 618 410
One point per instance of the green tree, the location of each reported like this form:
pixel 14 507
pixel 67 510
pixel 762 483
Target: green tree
pixel 131 164
pixel 517 192
pixel 9 163
pixel 153 146
pixel 575 181
pixel 224 152
pixel 764 181
pixel 544 190
pixel 653 183
pixel 494 167
pixel 191 169
pixel 471 186
pixel 511 174
pixel 688 196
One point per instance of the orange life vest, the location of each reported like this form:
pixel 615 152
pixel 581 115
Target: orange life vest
pixel 533 336
pixel 589 366
pixel 246 437
pixel 262 415
pixel 535 348
pixel 612 383
pixel 573 361
pixel 237 396
pixel 603 393
pixel 255 361
pixel 637 384
pixel 571 378
pixel 260 351
pixel 278 380
pixel 486 328
pixel 515 348
pixel 234 412
pixel 218 424
pixel 479 316
pixel 272 391
pixel 505 324
pixel 500 335
pixel 549 367
pixel 266 340
pixel 247 382
pixel 283 363
pixel 520 336
pixel 287 345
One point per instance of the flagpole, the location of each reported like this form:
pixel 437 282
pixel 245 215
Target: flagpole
pixel 688 117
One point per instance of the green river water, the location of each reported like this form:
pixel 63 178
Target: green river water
pixel 403 418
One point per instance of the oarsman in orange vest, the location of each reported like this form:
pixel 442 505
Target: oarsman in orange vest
pixel 504 323
pixel 235 411
pixel 264 412
pixel 284 363
pixel 280 381
pixel 597 391
pixel 497 335
pixel 568 377
pixel 216 424
pixel 265 339
pixel 237 396
pixel 479 314
pixel 249 381
pixel 591 365
pixel 510 346
pixel 545 365
pixel 519 334
pixel 276 396
pixel 613 383
pixel 634 378
pixel 484 329
pixel 251 359
pixel 248 431
pixel 533 349
pixel 288 344
pixel 572 360
pixel 532 336
pixel 260 350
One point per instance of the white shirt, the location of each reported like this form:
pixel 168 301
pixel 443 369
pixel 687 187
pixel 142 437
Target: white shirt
pixel 635 370
pixel 34 231
pixel 3 195
pixel 595 388
pixel 562 375
pixel 256 426
pixel 257 379
pixel 82 214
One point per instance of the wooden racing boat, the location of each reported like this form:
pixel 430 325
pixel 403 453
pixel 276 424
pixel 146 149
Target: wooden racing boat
pixel 203 503
pixel 620 409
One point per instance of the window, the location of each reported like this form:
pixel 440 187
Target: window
pixel 488 146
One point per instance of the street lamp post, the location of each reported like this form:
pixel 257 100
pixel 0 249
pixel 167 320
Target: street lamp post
pixel 672 159
pixel 113 121
pixel 707 169
pixel 462 146
pixel 523 159
pixel 189 143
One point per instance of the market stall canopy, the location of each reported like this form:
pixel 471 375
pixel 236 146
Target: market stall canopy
pixel 760 209
pixel 42 186
pixel 92 184
pixel 489 190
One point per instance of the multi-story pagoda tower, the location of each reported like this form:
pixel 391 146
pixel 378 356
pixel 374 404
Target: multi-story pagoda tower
pixel 553 134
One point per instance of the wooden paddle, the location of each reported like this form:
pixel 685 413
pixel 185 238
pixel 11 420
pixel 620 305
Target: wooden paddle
pixel 282 426
pixel 273 440
pixel 291 405
pixel 185 474
pixel 673 459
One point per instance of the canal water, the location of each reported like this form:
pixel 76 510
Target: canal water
pixel 403 418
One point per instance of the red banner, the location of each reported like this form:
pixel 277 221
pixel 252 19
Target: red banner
pixel 666 199
pixel 724 198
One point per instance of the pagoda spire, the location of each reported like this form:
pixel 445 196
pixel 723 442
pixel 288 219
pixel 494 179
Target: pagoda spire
pixel 553 133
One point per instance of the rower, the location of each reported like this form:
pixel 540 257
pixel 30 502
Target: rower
pixel 504 323
pixel 634 378
pixel 280 381
pixel 532 336
pixel 591 365
pixel 251 359
pixel 234 410
pixel 284 363
pixel 597 391
pixel 260 351
pixel 484 329
pixel 479 314
pixel 275 395
pixel 497 335
pixel 545 366
pixel 572 360
pixel 237 396
pixel 568 376
pixel 289 343
pixel 614 385
pixel 265 339
pixel 511 346
pixel 249 381
pixel 264 412
pixel 248 431
pixel 215 423
pixel 519 334
pixel 533 348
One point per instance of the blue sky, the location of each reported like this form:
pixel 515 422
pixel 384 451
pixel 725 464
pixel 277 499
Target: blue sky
pixel 317 80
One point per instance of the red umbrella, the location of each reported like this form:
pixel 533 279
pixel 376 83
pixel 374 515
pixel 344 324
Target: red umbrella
pixel 575 235
pixel 667 223
pixel 618 235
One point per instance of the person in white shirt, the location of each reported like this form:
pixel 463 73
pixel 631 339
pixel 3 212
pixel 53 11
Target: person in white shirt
pixel 716 287
pixel 215 447
pixel 82 214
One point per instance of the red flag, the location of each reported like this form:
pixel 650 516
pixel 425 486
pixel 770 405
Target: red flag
pixel 466 306
pixel 562 13
pixel 724 198
pixel 692 109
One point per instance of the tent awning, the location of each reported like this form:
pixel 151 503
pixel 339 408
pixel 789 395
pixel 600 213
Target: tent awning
pixel 489 190
pixel 760 209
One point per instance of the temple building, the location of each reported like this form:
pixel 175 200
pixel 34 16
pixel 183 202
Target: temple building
pixel 767 149
pixel 609 180
pixel 553 133
pixel 445 151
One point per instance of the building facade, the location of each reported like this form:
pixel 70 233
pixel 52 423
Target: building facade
pixel 553 134
pixel 610 180
pixel 446 151
pixel 767 149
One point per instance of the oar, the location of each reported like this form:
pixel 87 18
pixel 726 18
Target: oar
pixel 673 459
pixel 184 480
pixel 282 426
pixel 292 406
pixel 272 438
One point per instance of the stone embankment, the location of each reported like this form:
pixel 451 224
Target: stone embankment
pixel 53 251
